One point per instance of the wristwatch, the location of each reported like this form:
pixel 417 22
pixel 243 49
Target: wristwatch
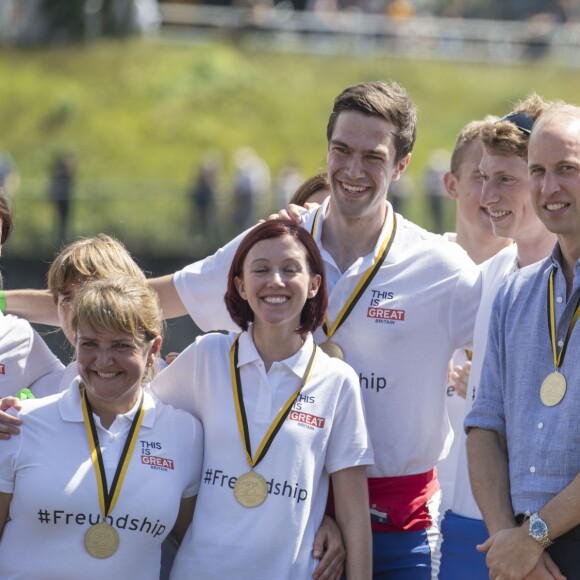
pixel 539 530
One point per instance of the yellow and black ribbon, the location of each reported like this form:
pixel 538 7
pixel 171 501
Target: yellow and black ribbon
pixel 241 409
pixel 329 330
pixel 108 497
pixel 558 354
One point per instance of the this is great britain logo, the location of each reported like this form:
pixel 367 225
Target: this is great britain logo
pixel 154 461
pixel 381 314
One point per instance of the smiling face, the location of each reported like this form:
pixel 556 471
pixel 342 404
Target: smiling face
pixel 112 366
pixel 277 281
pixel 554 168
pixel 361 164
pixel 506 195
pixel 464 186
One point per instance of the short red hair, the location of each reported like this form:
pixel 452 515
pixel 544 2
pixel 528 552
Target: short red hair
pixel 314 310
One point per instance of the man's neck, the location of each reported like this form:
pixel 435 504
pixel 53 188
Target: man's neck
pixel 570 248
pixel 480 247
pixel 535 248
pixel 347 240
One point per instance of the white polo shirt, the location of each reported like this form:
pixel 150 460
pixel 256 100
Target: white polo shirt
pixel 324 432
pixel 494 271
pixel 55 499
pixel 399 338
pixel 25 359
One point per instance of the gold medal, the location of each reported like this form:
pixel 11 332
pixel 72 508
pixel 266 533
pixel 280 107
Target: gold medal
pixel 553 389
pixel 332 349
pixel 251 489
pixel 101 540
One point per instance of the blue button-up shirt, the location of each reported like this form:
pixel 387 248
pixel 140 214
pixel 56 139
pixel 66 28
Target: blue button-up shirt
pixel 543 442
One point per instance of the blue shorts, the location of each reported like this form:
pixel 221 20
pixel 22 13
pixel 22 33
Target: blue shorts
pixel 459 558
pixel 401 556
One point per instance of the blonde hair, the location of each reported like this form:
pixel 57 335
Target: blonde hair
pixel 505 138
pixel 96 258
pixel 470 133
pixel 125 305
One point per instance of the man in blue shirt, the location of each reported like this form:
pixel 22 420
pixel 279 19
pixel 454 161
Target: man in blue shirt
pixel 523 432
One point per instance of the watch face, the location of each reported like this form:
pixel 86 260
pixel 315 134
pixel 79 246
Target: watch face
pixel 538 528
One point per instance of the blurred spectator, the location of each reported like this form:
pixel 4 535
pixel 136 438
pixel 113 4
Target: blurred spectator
pixel 434 188
pixel 400 9
pixel 399 192
pixel 8 174
pixel 61 185
pixel 251 184
pixel 203 194
pixel 288 179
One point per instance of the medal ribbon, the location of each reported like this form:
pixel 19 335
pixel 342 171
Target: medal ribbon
pixel 363 282
pixel 558 356
pixel 241 409
pixel 108 498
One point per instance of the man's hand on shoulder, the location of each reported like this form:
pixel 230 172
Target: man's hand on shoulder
pixel 292 212
pixel 8 423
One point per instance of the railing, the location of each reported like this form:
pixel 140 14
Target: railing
pixel 425 37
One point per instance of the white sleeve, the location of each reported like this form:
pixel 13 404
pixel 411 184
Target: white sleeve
pixel 174 385
pixel 196 460
pixel 49 384
pixel 202 287
pixel 464 305
pixel 349 444
pixel 42 369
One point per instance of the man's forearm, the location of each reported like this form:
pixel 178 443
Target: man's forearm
pixel 562 513
pixel 32 305
pixel 489 476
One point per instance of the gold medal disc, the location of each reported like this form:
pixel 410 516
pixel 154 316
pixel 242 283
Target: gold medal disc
pixel 251 489
pixel 332 349
pixel 553 389
pixel 101 540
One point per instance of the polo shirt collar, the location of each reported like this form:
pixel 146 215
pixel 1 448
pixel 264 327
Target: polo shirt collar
pixel 297 363
pixel 70 406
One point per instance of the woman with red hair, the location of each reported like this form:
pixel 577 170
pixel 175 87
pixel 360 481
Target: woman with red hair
pixel 281 418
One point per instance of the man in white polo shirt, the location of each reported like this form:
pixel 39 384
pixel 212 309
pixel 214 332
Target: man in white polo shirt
pixel 474 233
pixel 397 294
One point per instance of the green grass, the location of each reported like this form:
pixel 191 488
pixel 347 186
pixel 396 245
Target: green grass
pixel 139 116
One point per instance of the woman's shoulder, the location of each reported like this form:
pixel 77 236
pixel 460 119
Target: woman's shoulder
pixel 37 408
pixel 167 413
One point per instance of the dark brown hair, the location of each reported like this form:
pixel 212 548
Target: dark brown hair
pixel 387 100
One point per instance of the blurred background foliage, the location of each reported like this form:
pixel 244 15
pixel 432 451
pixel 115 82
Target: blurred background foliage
pixel 140 115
